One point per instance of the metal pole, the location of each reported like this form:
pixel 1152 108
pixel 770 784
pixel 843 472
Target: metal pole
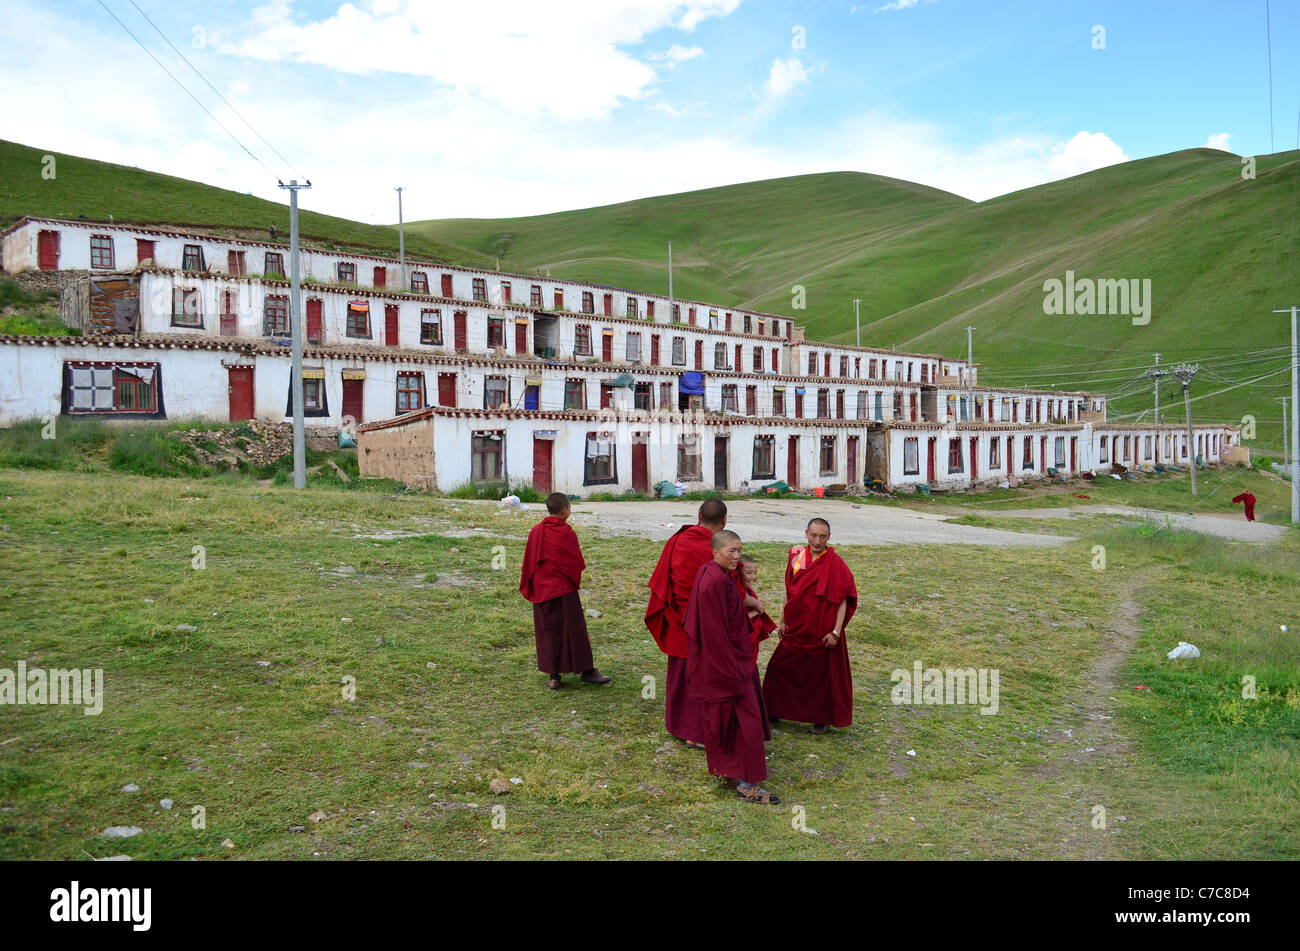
pixel 295 324
pixel 671 318
pixel 1191 443
pixel 1286 455
pixel 401 236
pixel 1295 414
pixel 970 372
pixel 857 322
pixel 1157 380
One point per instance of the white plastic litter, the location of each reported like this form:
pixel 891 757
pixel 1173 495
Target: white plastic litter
pixel 510 500
pixel 1183 649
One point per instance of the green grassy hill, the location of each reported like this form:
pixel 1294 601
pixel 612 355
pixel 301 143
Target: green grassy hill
pixel 97 190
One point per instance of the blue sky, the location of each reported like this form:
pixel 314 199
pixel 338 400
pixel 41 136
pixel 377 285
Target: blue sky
pixel 490 109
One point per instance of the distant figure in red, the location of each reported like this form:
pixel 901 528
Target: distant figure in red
pixel 760 625
pixel 808 678
pixel 721 675
pixel 550 578
pixel 670 589
pixel 1249 499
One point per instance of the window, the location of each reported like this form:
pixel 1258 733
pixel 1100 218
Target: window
pixel 111 388
pixel 588 302
pixel 1104 450
pixel 688 457
pixel 275 314
pixel 1004 414
pixel 599 459
pixel 862 404
pixel 764 457
pixel 496 392
pixel 506 291
pixel 419 282
pixel 410 391
pixel 729 398
pixel 679 351
pixel 431 326
pixel 101 250
pixel 313 399
pixel 535 295
pixel 274 264
pixel 749 325
pixel 677 313
pixel 650 309
pixel 632 307
pixel 575 394
pixel 1146 446
pixel 995 453
pixel 954 455
pixel 634 348
pixel 1027 461
pixel 665 396
pixel 643 396
pixel 778 401
pixel 925 373
pixel 487 451
pixel 347 272
pixel 185 307
pixel 720 357
pixel 844 366
pixel 823 404
pixel 812 364
pixel 496 332
pixel 582 340
pixel 358 318
pixel 871 369
pixel 480 288
pixel 1060 451
pixel 192 258
pixel 236 262
pixel 828 455
pixel 911 462
pixel 758 360
pixel 898 405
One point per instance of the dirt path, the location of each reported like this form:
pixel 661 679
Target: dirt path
pixel 1237 529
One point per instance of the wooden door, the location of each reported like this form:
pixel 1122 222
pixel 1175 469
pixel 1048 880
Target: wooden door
pixel 241 393
pixel 446 285
pixel 229 314
pixel 1074 444
pixel 543 450
pixel 798 405
pixel 739 365
pixel 929 459
pixel 1010 451
pixel 751 401
pixel 381 276
pixel 352 405
pixel 521 338
pixel 776 360
pixel 446 389
pixel 315 322
pixel 390 325
pixel 559 299
pixel 607 346
pixel 461 335
pixel 839 404
pixel 654 350
pixel 699 354
pixel 609 304
pixel 144 251
pixel 974 457
pixel 792 461
pixel 1042 452
pixel 640 466
pixel 47 251
pixel 852 450
pixel 720 462
pixel 606 395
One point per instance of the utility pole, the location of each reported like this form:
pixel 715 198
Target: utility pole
pixel 1285 442
pixel 1295 414
pixel 401 236
pixel 857 321
pixel 1155 375
pixel 1185 372
pixel 970 372
pixel 671 317
pixel 295 324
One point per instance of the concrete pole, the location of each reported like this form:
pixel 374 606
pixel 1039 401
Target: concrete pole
pixel 970 373
pixel 1286 454
pixel 1191 443
pixel 857 320
pixel 670 282
pixel 295 324
pixel 1157 388
pixel 401 236
pixel 1294 311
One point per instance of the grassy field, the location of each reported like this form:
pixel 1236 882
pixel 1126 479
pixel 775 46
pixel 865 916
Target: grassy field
pixel 415 599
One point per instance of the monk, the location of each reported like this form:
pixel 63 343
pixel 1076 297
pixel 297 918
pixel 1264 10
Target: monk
pixel 760 624
pixel 1248 498
pixel 550 578
pixel 722 676
pixel 670 589
pixel 808 677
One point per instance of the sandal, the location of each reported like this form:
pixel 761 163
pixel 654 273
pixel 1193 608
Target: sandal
pixel 818 728
pixel 692 745
pixel 754 793
pixel 553 683
pixel 594 676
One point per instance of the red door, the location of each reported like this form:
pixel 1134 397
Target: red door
pixel 792 461
pixel 229 314
pixel 929 460
pixel 826 365
pixel 381 276
pixel 974 458
pixel 241 393
pixel 315 323
pixel 462 338
pixel 798 405
pixel 776 360
pixel 1007 462
pixel 607 347
pixel 609 304
pixel 640 466
pixel 654 350
pixel 144 252
pixel 739 365
pixel 606 395
pixel 352 400
pixel 1074 441
pixel 559 299
pixel 853 459
pixel 446 389
pixel 699 354
pixel 47 250
pixel 1042 452
pixel 390 324
pixel 751 401
pixel 542 450
pixel 446 285
pixel 521 338
pixel 839 404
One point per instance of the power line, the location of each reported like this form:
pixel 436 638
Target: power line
pixel 216 90
pixel 184 90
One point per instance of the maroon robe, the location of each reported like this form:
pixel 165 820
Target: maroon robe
pixel 806 681
pixel 761 624
pixel 550 577
pixel 721 674
pixel 670 589
pixel 1249 499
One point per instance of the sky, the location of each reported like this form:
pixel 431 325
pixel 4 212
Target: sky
pixel 491 109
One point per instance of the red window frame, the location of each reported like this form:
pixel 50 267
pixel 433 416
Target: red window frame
pixel 101 250
pixel 410 391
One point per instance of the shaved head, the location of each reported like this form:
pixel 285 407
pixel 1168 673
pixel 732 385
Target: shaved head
pixel 819 521
pixel 713 513
pixel 726 549
pixel 723 538
pixel 557 502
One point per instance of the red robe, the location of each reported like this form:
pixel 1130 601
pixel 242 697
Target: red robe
pixel 721 674
pixel 670 590
pixel 1249 499
pixel 806 681
pixel 550 578
pixel 760 625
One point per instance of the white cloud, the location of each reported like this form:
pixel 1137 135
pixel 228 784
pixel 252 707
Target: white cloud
pixel 676 54
pixel 690 110
pixel 784 76
pixel 1218 140
pixel 1085 152
pixel 896 5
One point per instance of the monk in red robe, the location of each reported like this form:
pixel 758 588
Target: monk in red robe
pixel 550 578
pixel 1248 498
pixel 808 678
pixel 760 624
pixel 670 589
pixel 721 675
